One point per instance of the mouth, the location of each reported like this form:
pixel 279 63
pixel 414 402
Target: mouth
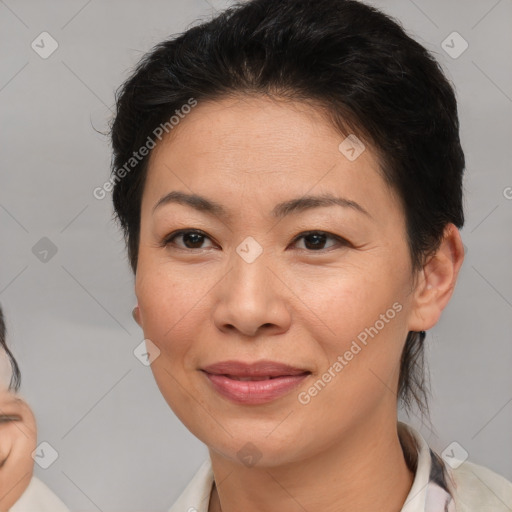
pixel 254 383
pixel 257 370
pixel 246 379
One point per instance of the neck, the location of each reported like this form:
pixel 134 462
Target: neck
pixel 366 468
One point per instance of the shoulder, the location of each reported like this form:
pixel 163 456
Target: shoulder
pixel 38 498
pixel 477 488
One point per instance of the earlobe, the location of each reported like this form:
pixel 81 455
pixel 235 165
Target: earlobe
pixel 136 315
pixel 437 281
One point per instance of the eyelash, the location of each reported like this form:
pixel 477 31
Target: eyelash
pixel 8 418
pixel 168 240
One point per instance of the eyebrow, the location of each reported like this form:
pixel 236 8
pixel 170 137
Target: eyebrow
pixel 281 210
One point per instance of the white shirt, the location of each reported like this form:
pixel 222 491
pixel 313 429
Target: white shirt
pixel 468 488
pixel 38 498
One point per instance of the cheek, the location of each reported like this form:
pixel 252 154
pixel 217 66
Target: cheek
pixel 344 303
pixel 167 313
pixel 360 323
pixel 172 307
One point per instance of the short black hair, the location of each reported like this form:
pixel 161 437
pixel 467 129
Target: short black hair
pixel 15 382
pixel 355 63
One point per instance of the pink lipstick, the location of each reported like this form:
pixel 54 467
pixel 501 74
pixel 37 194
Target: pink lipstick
pixel 254 383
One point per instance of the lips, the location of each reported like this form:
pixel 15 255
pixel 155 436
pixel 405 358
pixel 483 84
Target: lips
pixel 234 377
pixel 257 370
pixel 253 383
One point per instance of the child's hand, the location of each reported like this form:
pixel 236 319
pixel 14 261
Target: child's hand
pixel 18 439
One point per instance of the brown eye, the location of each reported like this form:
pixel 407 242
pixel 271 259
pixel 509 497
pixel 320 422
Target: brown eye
pixel 191 239
pixel 316 240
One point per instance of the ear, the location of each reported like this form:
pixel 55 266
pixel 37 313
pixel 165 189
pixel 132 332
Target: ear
pixel 136 315
pixel 436 281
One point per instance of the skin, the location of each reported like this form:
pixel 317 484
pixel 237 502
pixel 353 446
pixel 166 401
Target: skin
pixel 18 438
pixel 200 303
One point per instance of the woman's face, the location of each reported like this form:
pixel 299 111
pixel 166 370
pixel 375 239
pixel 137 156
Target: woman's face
pixel 254 286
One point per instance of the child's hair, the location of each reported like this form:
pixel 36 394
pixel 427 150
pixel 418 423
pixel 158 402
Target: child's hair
pixel 16 375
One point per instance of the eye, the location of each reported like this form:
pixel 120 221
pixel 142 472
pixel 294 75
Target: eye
pixel 315 240
pixel 192 238
pixel 8 418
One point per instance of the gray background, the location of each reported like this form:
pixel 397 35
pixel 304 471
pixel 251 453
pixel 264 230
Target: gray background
pixel 120 447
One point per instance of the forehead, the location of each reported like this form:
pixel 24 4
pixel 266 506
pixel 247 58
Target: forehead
pixel 278 127
pixel 260 147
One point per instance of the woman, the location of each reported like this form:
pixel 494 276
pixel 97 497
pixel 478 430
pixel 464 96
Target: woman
pixel 20 491
pixel 288 177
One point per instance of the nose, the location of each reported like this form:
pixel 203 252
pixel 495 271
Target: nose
pixel 251 300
